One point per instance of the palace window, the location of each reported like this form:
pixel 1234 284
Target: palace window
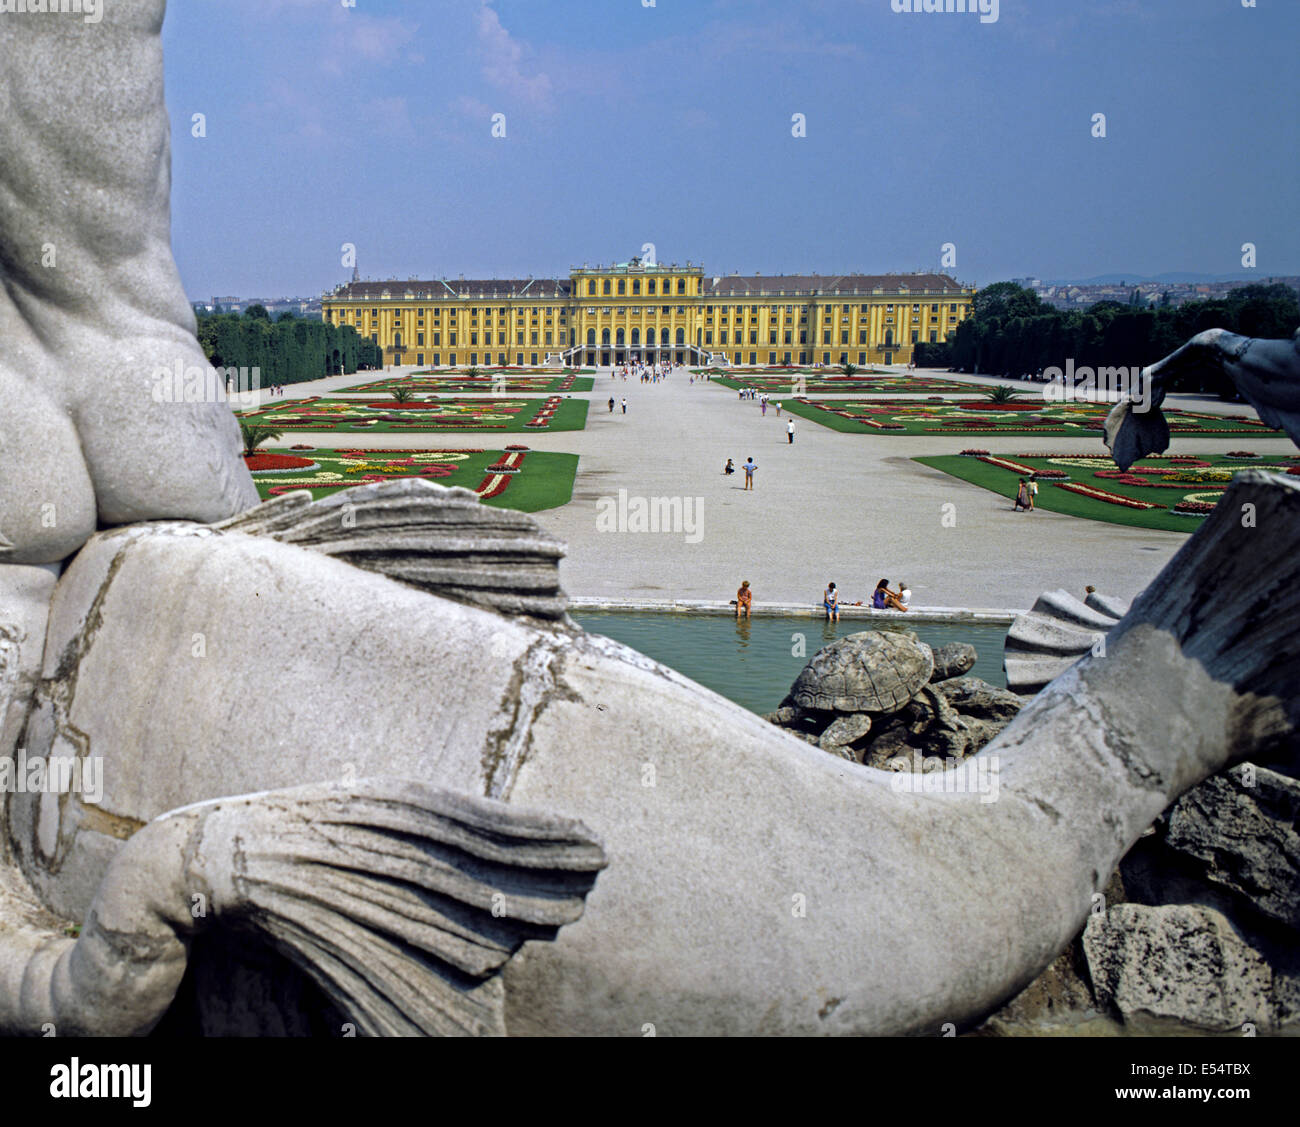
pixel 787 336
pixel 419 339
pixel 708 337
pixel 844 336
pixel 473 338
pixel 650 286
pixel 666 309
pixel 548 338
pixel 722 336
pixel 753 337
pixel 519 338
pixel 771 337
pixel 605 287
pixel 681 288
pixel 534 339
pixel 636 285
pixel 622 286
pixel 452 339
pixel 803 339
pixel 826 337
pixel 591 288
pixel 501 338
pixel 915 336
pixel 934 337
pixel 862 336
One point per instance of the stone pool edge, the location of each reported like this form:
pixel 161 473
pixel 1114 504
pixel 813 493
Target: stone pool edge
pixel 990 617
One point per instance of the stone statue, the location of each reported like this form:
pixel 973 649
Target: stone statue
pixel 1265 372
pixel 353 760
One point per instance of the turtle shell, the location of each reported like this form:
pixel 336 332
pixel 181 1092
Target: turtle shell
pixel 873 671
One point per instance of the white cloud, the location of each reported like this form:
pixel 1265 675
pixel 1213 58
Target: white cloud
pixel 503 62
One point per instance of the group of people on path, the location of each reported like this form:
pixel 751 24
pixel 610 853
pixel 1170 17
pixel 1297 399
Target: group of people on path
pixel 645 373
pixel 611 404
pixel 1026 494
pixel 883 598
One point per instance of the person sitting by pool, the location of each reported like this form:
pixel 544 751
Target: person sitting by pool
pixel 729 468
pixel 831 601
pixel 885 599
pixel 744 598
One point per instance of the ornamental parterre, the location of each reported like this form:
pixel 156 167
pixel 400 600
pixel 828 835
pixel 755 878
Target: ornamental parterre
pixel 1027 416
pixel 501 414
pixel 341 469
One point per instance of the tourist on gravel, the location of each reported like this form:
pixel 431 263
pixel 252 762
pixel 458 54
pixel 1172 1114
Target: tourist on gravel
pixel 1033 490
pixel 789 432
pixel 831 602
pixel 1022 497
pixel 749 468
pixel 729 468
pixel 611 404
pixel 625 404
pixel 744 598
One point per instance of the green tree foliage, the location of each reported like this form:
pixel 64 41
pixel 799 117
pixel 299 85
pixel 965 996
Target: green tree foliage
pixel 1011 332
pixel 288 350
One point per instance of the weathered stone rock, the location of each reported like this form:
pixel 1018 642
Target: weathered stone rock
pixel 975 698
pixel 1180 962
pixel 1243 826
pixel 845 730
pixel 953 660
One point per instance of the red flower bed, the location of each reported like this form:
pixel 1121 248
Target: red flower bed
pixel 264 461
pixel 394 406
pixel 1242 454
pixel 1194 508
pixel 974 451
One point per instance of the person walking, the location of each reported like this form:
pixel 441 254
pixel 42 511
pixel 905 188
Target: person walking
pixel 1022 497
pixel 1033 490
pixel 749 468
pixel 625 404
pixel 789 432
pixel 611 404
pixel 778 410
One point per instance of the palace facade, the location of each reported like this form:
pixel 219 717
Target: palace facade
pixel 635 310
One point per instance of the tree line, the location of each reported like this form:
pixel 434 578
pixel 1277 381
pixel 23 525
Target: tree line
pixel 290 349
pixel 1013 332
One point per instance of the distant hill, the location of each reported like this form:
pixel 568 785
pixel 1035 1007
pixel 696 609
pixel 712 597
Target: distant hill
pixel 1174 276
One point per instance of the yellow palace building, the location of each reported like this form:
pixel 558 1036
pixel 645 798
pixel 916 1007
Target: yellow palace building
pixel 648 311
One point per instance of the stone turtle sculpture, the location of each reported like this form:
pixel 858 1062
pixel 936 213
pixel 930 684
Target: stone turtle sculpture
pixel 886 699
pixel 852 679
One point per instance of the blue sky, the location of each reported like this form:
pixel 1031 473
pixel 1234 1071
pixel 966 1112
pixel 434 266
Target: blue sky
pixel 672 124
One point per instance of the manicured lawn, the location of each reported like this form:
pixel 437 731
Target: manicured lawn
pixel 358 415
pixel 502 382
pixel 544 479
pixel 1157 484
pixel 823 383
pixel 974 417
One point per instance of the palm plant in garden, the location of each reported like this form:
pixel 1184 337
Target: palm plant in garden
pixel 1001 394
pixel 472 372
pixel 401 394
pixel 849 369
pixel 254 434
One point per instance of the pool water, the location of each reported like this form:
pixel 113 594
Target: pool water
pixel 754 661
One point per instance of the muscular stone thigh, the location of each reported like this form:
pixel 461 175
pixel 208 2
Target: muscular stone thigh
pixel 47 502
